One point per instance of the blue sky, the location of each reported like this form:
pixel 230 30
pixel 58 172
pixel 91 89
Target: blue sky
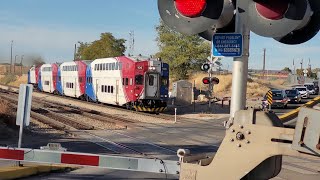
pixel 51 28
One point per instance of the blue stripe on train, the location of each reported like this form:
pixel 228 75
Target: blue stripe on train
pixel 89 85
pixel 40 82
pixel 59 83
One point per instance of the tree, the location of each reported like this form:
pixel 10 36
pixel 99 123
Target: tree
pixel 106 46
pixel 183 53
pixel 286 69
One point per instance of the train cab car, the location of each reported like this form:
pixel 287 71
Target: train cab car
pixel 72 79
pixel 126 81
pixel 33 75
pixel 47 80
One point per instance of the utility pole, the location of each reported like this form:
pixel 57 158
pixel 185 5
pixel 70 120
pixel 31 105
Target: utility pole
pixel 264 63
pixel 75 52
pixel 131 43
pixel 301 63
pixel 21 65
pixel 11 57
pixel 14 65
pixel 294 68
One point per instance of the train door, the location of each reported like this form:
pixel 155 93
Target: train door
pixel 117 92
pixel 97 89
pixel 152 85
pixel 75 87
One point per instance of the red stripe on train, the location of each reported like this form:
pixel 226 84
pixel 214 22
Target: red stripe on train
pixel 80 159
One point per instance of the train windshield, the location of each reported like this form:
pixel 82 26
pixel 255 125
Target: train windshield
pixel 139 79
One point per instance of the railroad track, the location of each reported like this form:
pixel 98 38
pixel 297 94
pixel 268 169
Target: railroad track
pixel 41 112
pixel 162 116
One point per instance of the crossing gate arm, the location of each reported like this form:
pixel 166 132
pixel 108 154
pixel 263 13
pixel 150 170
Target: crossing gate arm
pixel 93 160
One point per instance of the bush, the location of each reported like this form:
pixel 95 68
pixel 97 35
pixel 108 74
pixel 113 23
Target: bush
pixel 8 78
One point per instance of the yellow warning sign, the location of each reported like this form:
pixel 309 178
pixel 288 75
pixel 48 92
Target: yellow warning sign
pixel 269 97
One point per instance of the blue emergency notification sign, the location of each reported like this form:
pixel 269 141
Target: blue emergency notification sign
pixel 227 45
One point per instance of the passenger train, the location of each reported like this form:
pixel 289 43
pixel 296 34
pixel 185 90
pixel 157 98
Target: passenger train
pixel 133 82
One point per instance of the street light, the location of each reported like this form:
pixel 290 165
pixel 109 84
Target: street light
pixel 21 64
pixel 14 65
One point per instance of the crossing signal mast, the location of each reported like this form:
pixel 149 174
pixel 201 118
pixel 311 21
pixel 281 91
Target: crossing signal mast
pixel 287 21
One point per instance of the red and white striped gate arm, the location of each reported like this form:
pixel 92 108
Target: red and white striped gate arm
pixel 95 160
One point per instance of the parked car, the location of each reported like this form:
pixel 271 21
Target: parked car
pixel 303 91
pixel 293 95
pixel 279 99
pixel 310 87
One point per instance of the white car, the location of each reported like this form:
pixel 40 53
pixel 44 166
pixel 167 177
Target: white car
pixel 303 91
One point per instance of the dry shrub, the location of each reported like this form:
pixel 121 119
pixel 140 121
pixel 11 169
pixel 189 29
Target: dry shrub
pixel 4 108
pixel 20 80
pixel 256 88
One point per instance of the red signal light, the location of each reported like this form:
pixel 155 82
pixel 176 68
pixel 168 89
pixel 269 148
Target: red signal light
pixel 272 9
pixel 206 81
pixel 191 8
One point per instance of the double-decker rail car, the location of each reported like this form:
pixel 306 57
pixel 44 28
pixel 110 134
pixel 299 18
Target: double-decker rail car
pixel 126 81
pixel 33 75
pixel 72 79
pixel 47 81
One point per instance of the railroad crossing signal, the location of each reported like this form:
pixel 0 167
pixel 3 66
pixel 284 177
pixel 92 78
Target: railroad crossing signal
pixel 205 67
pixel 289 22
pixel 269 98
pixel 210 80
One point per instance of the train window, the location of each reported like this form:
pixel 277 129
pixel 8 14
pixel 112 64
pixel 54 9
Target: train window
pixel 122 81
pixel 113 66
pixel 59 78
pixel 95 67
pixel 127 81
pixel 80 79
pixel 139 79
pixel 120 66
pixel 108 89
pixel 151 80
pixel 164 81
pixel 46 82
pixel 102 88
pixel 104 66
pixel 131 81
pixel 117 65
pixel 100 67
pixel 111 89
pixel 107 66
pixel 110 66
